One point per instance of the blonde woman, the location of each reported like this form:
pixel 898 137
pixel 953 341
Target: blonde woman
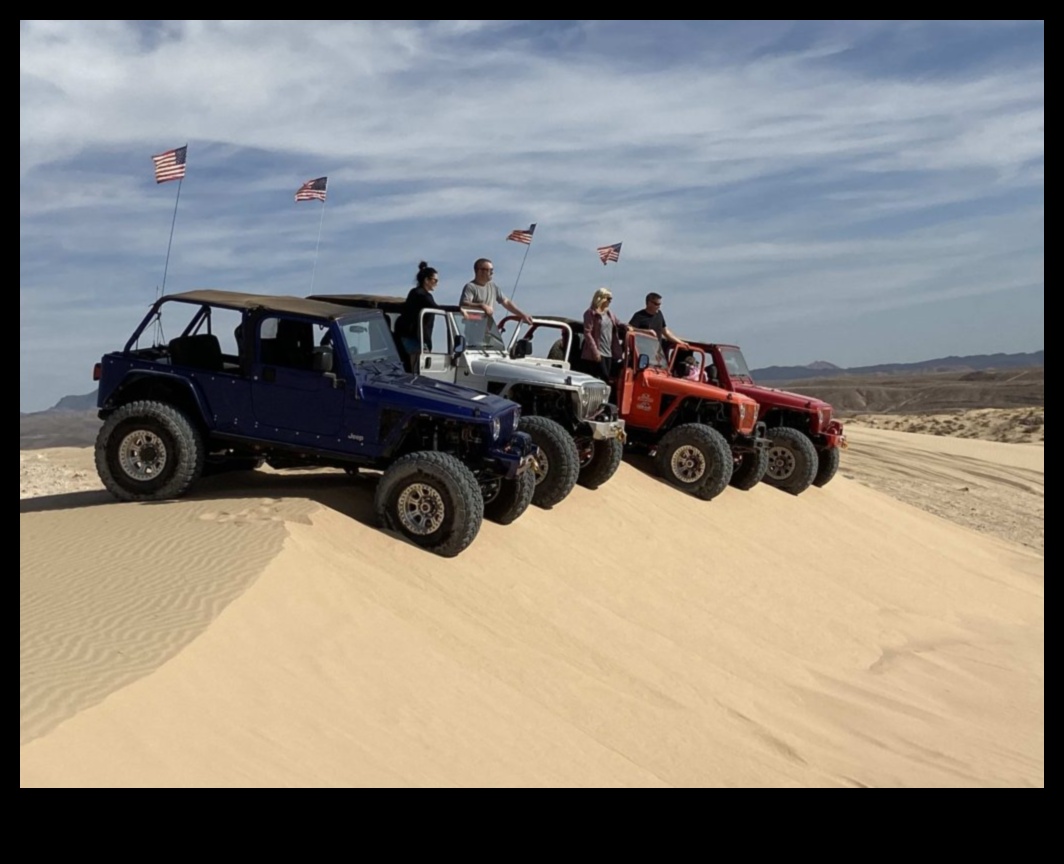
pixel 603 340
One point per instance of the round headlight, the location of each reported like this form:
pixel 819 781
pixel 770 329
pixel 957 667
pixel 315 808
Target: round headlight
pixel 496 428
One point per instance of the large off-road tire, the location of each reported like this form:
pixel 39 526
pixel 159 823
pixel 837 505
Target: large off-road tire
pixel 696 458
pixel 750 470
pixel 605 459
pixel 148 451
pixel 433 500
pixel 792 460
pixel 827 465
pixel 509 498
pixel 558 465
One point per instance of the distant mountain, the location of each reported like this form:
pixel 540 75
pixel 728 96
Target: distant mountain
pixel 971 363
pixel 76 403
pixel 71 422
pixel 57 429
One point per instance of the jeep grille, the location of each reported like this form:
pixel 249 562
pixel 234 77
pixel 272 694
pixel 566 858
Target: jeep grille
pixel 592 396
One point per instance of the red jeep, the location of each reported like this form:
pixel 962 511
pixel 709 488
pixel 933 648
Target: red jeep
pixel 806 441
pixel 701 436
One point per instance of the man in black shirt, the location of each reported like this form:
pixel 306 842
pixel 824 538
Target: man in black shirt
pixel 650 318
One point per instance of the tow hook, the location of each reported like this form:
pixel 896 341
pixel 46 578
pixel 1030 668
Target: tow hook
pixel 527 462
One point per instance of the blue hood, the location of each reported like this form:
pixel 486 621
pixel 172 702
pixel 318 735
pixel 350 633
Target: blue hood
pixel 415 392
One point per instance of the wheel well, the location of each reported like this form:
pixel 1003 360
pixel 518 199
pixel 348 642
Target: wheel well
pixel 778 417
pixel 549 402
pixel 463 440
pixel 152 388
pixel 705 411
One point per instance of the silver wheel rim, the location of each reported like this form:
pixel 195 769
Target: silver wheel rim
pixel 781 463
pixel 421 509
pixel 540 466
pixel 688 463
pixel 142 455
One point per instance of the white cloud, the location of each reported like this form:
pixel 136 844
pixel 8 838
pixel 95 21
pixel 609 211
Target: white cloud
pixel 746 163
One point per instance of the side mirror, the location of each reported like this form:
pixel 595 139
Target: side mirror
pixel 522 348
pixel 459 346
pixel 711 373
pixel 323 358
pixel 642 363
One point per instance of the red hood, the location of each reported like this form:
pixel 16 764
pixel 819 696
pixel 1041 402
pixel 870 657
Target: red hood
pixel 771 397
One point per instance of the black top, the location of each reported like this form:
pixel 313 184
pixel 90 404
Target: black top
pixel 406 325
pixel 643 320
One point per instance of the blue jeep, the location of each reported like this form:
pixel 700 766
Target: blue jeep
pixel 299 383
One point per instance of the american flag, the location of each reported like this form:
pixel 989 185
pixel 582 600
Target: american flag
pixel 312 190
pixel 609 253
pixel 170 165
pixel 523 235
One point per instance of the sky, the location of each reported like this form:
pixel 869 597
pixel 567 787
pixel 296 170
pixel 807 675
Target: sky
pixel 856 192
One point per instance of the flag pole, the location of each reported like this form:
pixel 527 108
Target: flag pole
pixel 317 245
pixel 170 243
pixel 607 254
pixel 158 323
pixel 520 269
pixel 521 235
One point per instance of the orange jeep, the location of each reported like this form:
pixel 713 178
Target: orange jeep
pixel 701 437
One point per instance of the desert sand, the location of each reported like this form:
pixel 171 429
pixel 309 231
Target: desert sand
pixel 885 631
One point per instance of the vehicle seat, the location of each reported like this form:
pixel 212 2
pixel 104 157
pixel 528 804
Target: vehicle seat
pixel 202 351
pixel 294 344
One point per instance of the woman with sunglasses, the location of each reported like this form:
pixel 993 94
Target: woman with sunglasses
pixel 603 341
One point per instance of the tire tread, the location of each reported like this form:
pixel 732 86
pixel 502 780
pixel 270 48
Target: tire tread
pixel 468 501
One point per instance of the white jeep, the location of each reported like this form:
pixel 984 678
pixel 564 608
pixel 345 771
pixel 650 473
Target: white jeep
pixel 567 413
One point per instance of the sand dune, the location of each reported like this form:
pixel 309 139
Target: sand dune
pixel 1010 425
pixel 264 633
pixel 988 486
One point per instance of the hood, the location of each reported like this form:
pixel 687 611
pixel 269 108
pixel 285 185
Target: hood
pixel 415 392
pixel 771 397
pixel 684 387
pixel 498 369
pixel 542 361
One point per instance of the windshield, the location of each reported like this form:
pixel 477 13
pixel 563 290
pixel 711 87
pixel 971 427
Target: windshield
pixel 480 331
pixel 651 346
pixel 735 363
pixel 369 340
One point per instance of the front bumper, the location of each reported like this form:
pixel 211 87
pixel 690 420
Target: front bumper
pixel 604 430
pixel 757 440
pixel 832 436
pixel 513 459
